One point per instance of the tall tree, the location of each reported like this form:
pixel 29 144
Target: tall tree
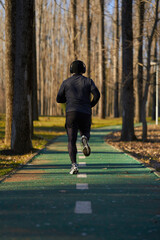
pixel 21 128
pixel 141 9
pixel 88 36
pixel 127 73
pixel 102 75
pixel 32 70
pixel 74 28
pixel 146 88
pixel 34 67
pixel 39 6
pixel 116 61
pixel 2 61
pixel 10 11
pixel 154 81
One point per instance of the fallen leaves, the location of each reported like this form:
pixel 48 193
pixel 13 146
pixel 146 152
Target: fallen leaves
pixel 147 152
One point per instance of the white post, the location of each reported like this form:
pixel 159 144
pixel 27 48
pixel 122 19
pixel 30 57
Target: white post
pixel 157 94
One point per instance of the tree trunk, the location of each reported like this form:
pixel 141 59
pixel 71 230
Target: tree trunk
pixel 21 128
pixel 102 105
pixel 34 69
pixel 74 28
pixel 88 36
pixel 40 99
pixel 127 73
pixel 141 5
pixel 154 81
pixel 145 96
pixel 143 116
pixel 10 11
pixel 116 67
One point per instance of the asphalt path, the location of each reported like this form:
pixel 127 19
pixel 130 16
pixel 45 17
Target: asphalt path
pixel 114 196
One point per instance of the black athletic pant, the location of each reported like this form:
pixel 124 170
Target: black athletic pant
pixel 76 121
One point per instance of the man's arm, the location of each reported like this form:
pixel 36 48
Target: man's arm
pixel 96 96
pixel 61 98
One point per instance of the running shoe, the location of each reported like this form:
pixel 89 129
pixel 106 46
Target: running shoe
pixel 86 147
pixel 74 169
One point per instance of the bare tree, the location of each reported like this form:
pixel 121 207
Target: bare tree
pixel 154 81
pixel 34 68
pixel 10 12
pixel 141 10
pixel 2 61
pixel 74 27
pixel 102 76
pixel 21 128
pixel 116 61
pixel 127 73
pixel 39 27
pixel 88 36
pixel 146 89
pixel 2 4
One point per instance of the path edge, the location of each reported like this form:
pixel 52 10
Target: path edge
pixel 29 160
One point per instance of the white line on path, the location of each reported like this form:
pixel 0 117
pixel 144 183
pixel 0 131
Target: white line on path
pixel 82 186
pixel 83 175
pixel 83 207
pixel 82 164
pixel 80 157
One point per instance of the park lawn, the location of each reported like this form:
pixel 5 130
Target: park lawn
pixel 45 129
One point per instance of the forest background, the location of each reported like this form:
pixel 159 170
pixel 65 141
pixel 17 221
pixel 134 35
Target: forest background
pixel 118 40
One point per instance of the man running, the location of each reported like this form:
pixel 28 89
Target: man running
pixel 76 92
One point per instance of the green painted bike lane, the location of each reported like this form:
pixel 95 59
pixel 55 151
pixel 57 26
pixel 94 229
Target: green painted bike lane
pixel 122 201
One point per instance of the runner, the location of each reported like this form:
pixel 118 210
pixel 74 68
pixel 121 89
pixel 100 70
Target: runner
pixel 76 92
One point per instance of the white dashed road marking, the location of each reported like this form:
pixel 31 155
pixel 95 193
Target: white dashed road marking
pixel 82 164
pixel 83 175
pixel 82 186
pixel 81 157
pixel 83 207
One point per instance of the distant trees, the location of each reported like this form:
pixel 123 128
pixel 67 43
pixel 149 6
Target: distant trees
pixel 87 30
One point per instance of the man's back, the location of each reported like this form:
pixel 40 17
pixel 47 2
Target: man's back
pixel 76 92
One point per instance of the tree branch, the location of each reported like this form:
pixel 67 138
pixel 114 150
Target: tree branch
pixel 2 4
pixel 1 38
pixel 155 23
